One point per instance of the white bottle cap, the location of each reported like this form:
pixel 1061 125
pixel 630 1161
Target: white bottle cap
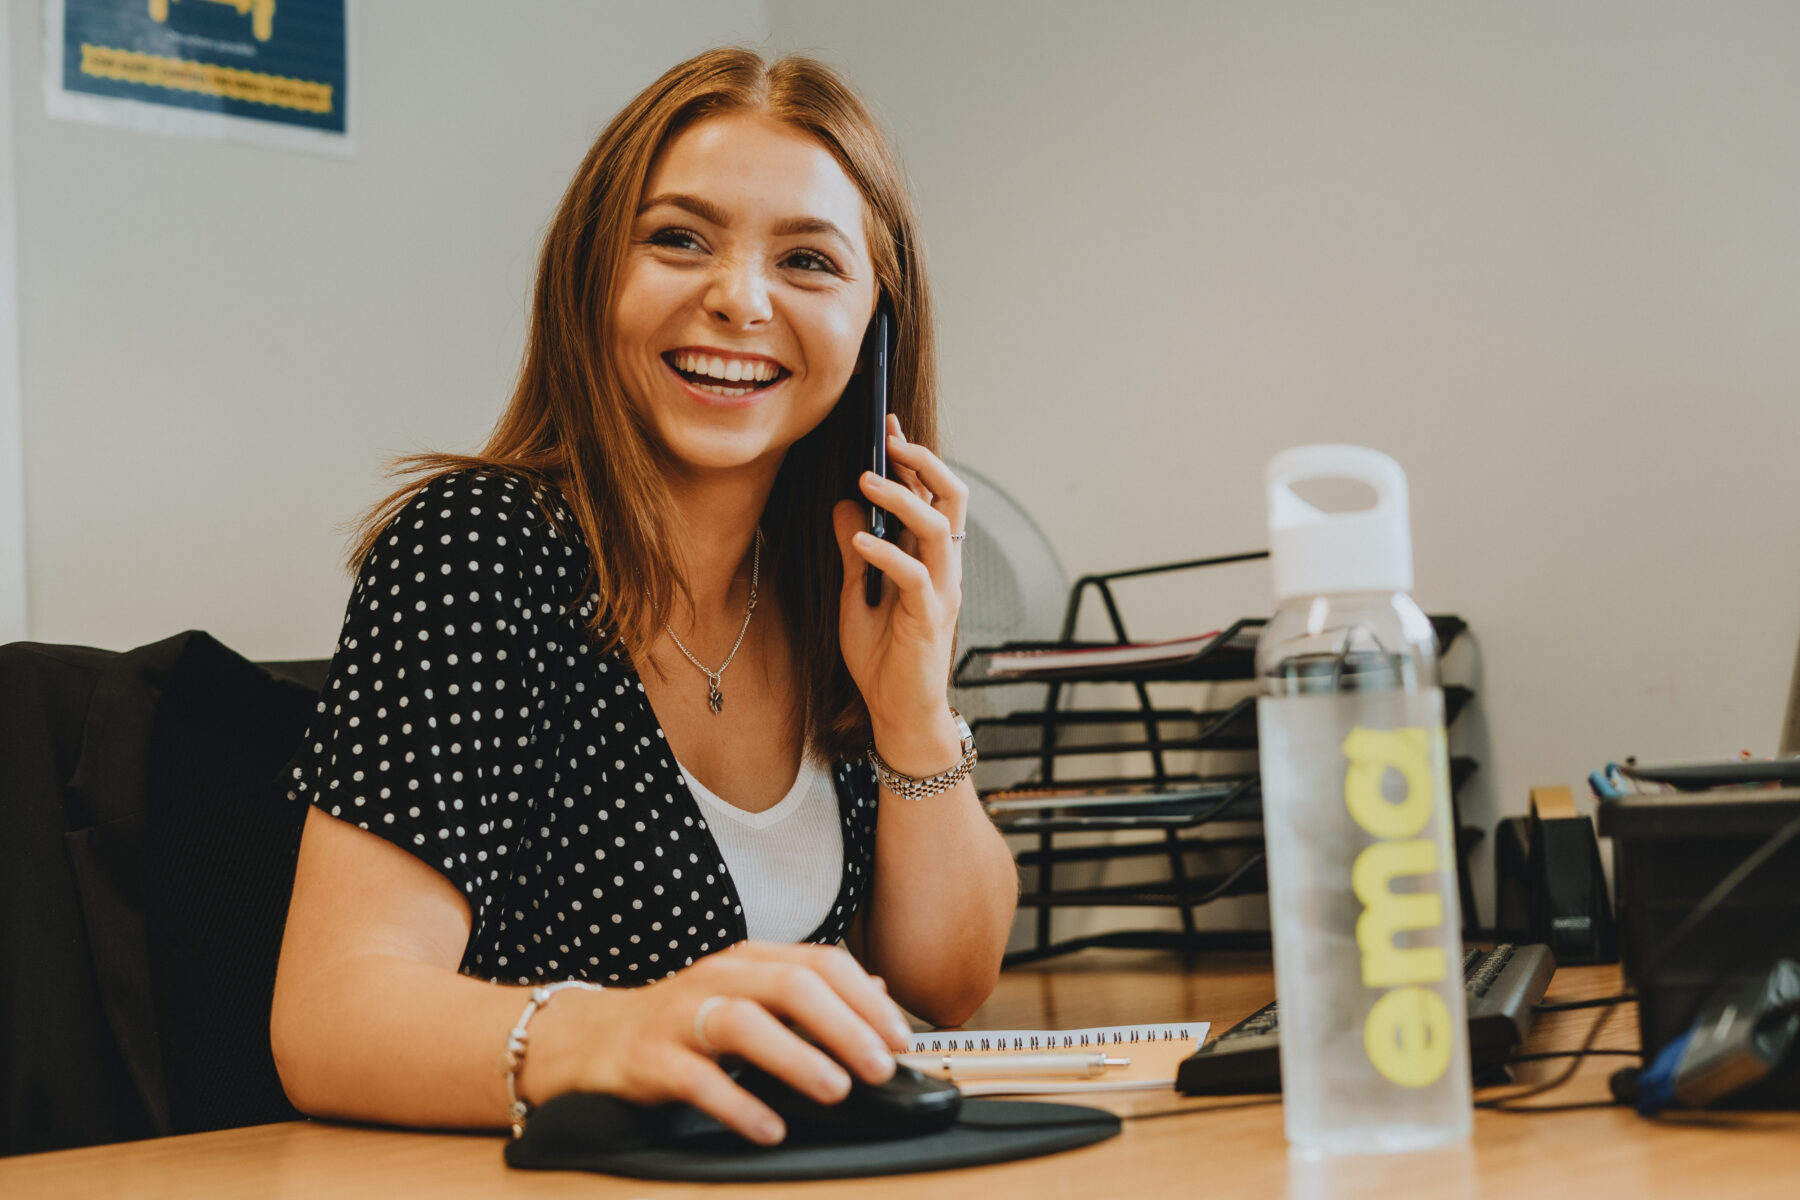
pixel 1365 550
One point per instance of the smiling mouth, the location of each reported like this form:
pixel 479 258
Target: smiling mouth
pixel 729 377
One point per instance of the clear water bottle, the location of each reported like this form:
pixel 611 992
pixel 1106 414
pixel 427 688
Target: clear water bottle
pixel 1356 814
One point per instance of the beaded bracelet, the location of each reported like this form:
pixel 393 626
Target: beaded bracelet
pixel 516 1109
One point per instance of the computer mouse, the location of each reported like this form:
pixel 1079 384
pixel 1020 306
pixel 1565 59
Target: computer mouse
pixel 909 1103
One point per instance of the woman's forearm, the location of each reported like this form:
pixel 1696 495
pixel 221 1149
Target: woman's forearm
pixel 406 1042
pixel 395 1040
pixel 945 890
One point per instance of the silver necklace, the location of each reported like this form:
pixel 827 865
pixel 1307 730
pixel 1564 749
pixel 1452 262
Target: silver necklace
pixel 713 696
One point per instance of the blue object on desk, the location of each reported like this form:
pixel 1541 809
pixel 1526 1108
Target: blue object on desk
pixel 1606 783
pixel 1746 1031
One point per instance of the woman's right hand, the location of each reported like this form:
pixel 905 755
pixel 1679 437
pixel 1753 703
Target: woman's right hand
pixel 661 1042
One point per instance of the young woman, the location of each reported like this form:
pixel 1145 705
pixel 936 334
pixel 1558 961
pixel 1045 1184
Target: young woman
pixel 609 702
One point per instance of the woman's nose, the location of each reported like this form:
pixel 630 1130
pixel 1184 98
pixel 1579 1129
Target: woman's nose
pixel 738 295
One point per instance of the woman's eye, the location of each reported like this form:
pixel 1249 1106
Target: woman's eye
pixel 675 238
pixel 810 260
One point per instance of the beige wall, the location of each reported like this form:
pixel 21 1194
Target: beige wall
pixel 12 448
pixel 1544 253
pixel 223 343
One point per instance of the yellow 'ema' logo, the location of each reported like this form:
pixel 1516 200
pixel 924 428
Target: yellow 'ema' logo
pixel 1407 1032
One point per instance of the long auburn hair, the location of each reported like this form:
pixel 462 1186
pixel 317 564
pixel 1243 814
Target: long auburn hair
pixel 569 423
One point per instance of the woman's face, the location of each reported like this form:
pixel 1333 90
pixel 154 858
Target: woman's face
pixel 745 293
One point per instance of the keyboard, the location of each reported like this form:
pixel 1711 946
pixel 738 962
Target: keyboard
pixel 1501 984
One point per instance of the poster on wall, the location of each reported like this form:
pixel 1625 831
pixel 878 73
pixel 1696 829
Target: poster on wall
pixel 248 70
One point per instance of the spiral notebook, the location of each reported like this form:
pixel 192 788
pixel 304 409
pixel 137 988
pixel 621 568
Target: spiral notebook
pixel 1155 1052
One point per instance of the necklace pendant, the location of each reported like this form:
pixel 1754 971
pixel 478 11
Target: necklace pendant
pixel 715 697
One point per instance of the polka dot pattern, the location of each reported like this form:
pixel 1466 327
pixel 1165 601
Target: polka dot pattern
pixel 470 720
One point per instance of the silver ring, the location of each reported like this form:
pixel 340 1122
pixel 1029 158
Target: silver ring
pixel 957 537
pixel 700 1014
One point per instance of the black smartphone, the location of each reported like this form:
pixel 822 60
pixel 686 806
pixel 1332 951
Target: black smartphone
pixel 880 370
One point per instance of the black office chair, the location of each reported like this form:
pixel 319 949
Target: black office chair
pixel 147 851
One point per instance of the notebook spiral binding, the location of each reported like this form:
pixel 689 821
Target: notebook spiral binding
pixel 1071 1039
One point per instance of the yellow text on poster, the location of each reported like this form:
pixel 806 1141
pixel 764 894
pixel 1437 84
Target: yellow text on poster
pixel 154 70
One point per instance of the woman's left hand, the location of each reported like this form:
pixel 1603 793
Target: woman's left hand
pixel 899 651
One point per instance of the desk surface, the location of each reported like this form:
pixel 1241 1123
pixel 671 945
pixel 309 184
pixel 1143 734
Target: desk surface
pixel 1225 1152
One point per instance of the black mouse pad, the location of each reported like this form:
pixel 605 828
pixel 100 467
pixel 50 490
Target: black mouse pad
pixel 582 1132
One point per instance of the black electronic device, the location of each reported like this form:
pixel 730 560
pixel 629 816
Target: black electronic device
pixel 1512 879
pixel 909 1103
pixel 1567 906
pixel 1548 883
pixel 1707 886
pixel 1501 986
pixel 1743 1033
pixel 878 348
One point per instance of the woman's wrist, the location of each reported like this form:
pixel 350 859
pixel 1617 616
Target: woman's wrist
pixel 546 1067
pixel 922 747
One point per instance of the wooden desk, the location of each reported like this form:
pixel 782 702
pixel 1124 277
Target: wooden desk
pixel 1600 1154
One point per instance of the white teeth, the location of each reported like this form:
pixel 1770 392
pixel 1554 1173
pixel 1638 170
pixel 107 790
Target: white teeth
pixel 737 370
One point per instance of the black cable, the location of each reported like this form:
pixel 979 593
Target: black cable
pixel 1549 1108
pixel 1567 1005
pixel 1506 1103
pixel 1543 1054
pixel 1721 891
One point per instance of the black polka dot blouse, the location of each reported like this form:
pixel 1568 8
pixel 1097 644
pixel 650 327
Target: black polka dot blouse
pixel 470 719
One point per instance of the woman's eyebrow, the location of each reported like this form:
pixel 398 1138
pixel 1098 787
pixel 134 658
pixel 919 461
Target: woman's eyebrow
pixel 813 225
pixel 705 209
pixel 711 213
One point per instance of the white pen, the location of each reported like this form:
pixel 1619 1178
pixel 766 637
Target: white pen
pixel 1068 1064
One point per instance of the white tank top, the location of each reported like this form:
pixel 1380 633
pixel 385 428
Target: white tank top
pixel 787 861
